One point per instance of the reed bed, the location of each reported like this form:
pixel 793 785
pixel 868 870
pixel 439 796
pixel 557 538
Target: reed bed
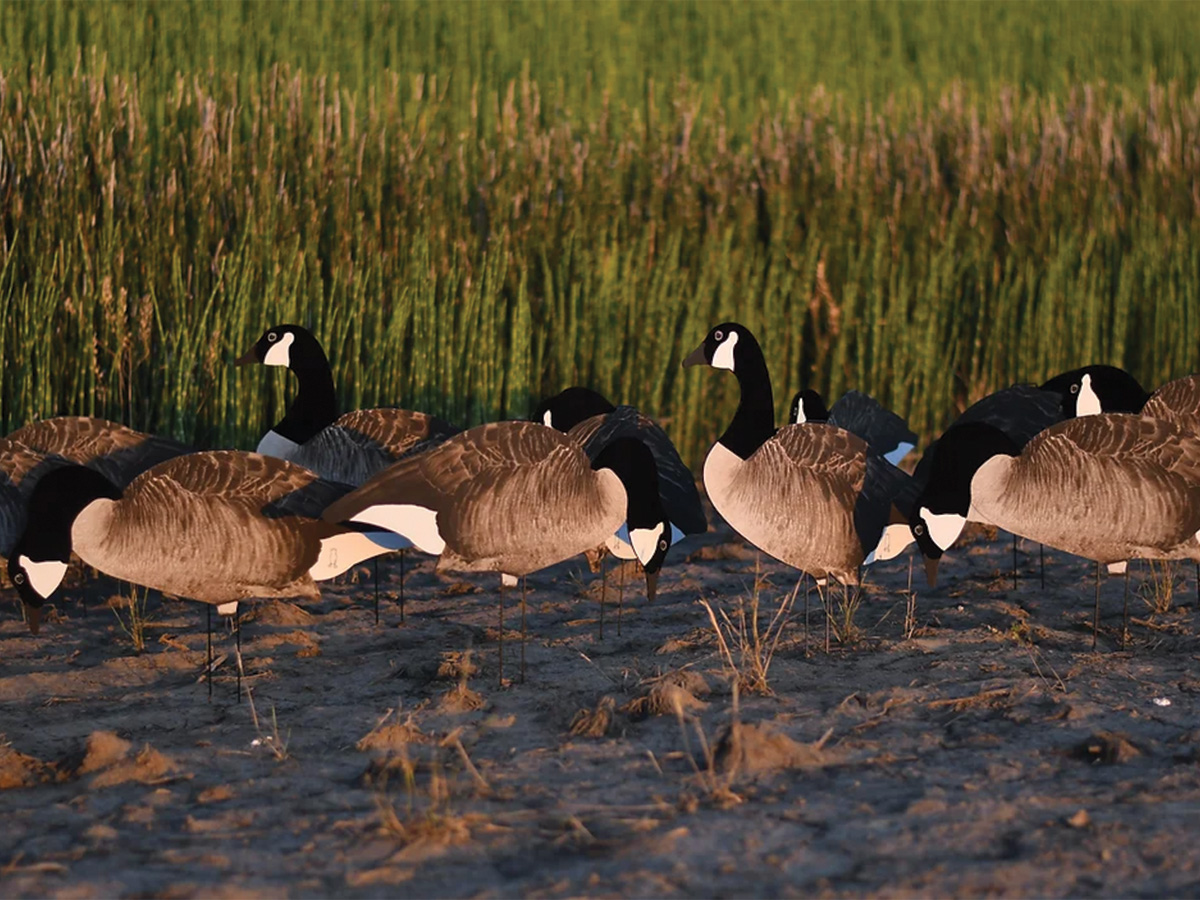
pixel 466 253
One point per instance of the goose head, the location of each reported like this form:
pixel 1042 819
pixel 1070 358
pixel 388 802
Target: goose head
pixel 291 346
pixel 725 347
pixel 808 406
pixel 38 562
pixel 568 408
pixel 649 528
pixel 940 513
pixel 1097 389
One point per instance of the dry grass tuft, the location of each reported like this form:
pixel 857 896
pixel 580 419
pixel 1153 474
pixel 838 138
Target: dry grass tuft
pixel 133 622
pixel 745 645
pixel 595 723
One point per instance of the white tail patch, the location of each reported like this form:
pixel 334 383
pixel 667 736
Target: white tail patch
pixel 279 353
pixel 944 528
pixel 227 609
pixel 1088 403
pixel 902 450
pixel 44 577
pixel 723 358
pixel 416 523
pixel 893 541
pixel 645 542
pixel 344 551
pixel 1118 568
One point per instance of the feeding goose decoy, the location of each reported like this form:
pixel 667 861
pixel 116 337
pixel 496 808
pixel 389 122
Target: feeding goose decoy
pixel 886 433
pixel 347 448
pixel 513 498
pixel 812 496
pixel 217 527
pixel 1108 487
pixel 594 422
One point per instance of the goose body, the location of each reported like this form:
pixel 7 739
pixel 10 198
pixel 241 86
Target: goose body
pixel 216 527
pixel 118 453
pixel 347 448
pixel 594 423
pixel 1177 402
pixel 886 433
pixel 1107 487
pixel 812 495
pixel 508 497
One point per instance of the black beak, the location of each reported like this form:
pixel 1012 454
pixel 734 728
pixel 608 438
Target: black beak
pixel 651 586
pixel 33 615
pixel 696 358
pixel 247 358
pixel 931 567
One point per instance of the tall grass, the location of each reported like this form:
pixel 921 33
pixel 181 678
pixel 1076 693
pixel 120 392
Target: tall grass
pixel 464 249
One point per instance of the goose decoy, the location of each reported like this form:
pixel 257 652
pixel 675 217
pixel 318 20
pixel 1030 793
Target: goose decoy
pixel 812 496
pixel 1177 402
pixel 217 527
pixel 513 498
pixel 1095 389
pixel 594 422
pixel 118 453
pixel 886 433
pixel 348 448
pixel 1108 487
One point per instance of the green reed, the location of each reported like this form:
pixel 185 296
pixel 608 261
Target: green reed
pixel 466 246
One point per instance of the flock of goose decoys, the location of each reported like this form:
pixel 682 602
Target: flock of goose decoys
pixel 1088 463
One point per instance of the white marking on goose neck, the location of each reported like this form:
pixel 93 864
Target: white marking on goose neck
pixel 416 523
pixel 800 417
pixel 723 358
pixel 645 541
pixel 44 577
pixel 944 528
pixel 1088 403
pixel 548 419
pixel 279 353
pixel 275 444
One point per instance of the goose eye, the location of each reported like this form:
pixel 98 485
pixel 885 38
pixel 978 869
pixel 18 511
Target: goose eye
pixel 272 337
pixel 662 545
pixel 18 578
pixel 919 530
pixel 719 335
pixel 1074 389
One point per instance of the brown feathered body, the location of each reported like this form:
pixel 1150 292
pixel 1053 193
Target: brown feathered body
pixel 509 497
pixel 1177 402
pixel 214 527
pixel 1105 487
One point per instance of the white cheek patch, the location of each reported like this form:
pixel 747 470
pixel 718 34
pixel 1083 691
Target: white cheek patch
pixel 645 541
pixel 892 542
pixel 902 450
pixel 44 577
pixel 278 354
pixel 944 528
pixel 1088 403
pixel 275 444
pixel 416 523
pixel 723 358
pixel 547 419
pixel 801 418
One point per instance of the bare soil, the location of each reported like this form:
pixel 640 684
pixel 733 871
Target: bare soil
pixel 982 748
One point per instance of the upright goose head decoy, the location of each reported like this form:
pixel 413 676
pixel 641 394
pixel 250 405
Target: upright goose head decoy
pixel 808 406
pixel 1091 390
pixel 812 495
pixel 568 408
pixel 944 506
pixel 886 433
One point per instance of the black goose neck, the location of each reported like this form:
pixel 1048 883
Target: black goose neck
pixel 57 500
pixel 631 461
pixel 754 422
pixel 315 406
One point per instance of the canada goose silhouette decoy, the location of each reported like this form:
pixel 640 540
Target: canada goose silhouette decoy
pixel 217 527
pixel 886 433
pixel 513 498
pixel 348 448
pixel 1108 487
pixel 812 496
pixel 589 418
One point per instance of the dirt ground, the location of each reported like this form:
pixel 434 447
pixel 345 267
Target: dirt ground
pixel 982 748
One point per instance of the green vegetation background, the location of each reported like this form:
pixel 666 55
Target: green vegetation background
pixel 475 204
